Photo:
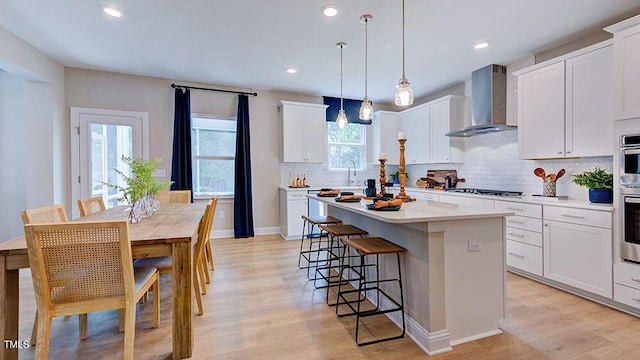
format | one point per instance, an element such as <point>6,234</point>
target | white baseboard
<point>228,233</point>
<point>432,343</point>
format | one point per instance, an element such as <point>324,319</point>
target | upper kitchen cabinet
<point>303,132</point>
<point>565,105</point>
<point>626,68</point>
<point>426,126</point>
<point>386,125</point>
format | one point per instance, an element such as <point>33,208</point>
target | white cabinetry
<point>303,132</point>
<point>415,123</point>
<point>524,236</point>
<point>426,126</point>
<point>565,105</point>
<point>293,204</point>
<point>626,287</point>
<point>386,125</point>
<point>627,68</point>
<point>578,247</point>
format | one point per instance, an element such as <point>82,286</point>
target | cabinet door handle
<point>516,222</point>
<point>514,234</point>
<point>635,279</point>
<point>521,257</point>
<point>572,216</point>
<point>560,152</point>
<point>515,208</point>
<point>568,151</point>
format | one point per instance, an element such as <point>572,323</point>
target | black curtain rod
<point>219,90</point>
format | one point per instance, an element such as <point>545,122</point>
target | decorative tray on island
<point>386,208</point>
<point>351,200</point>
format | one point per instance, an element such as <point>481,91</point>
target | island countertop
<point>416,211</point>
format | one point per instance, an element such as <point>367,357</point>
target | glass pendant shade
<point>342,120</point>
<point>366,110</point>
<point>404,94</point>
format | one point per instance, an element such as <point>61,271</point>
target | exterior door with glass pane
<point>104,136</point>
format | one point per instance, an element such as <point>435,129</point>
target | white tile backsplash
<point>491,162</point>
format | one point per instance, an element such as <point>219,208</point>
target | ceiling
<point>249,43</point>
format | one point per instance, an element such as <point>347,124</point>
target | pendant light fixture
<point>366,109</point>
<point>404,94</point>
<point>341,120</point>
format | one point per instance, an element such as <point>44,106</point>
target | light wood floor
<point>260,306</point>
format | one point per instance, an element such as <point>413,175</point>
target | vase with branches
<point>140,187</point>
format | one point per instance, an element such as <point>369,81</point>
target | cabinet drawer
<point>522,209</point>
<point>524,236</point>
<point>626,295</point>
<point>578,216</point>
<point>296,195</point>
<point>626,275</point>
<point>524,257</point>
<point>524,223</point>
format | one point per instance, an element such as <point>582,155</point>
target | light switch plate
<point>474,245</point>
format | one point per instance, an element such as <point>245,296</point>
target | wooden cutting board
<point>438,175</point>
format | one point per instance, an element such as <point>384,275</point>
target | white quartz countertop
<point>417,211</point>
<point>316,188</point>
<point>573,203</point>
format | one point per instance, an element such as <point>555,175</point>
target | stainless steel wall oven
<point>630,196</point>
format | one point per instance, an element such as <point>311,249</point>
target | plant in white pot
<point>599,182</point>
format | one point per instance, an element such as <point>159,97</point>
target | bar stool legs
<point>366,247</point>
<point>312,255</point>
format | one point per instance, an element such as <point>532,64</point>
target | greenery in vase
<point>141,182</point>
<point>597,179</point>
<point>397,174</point>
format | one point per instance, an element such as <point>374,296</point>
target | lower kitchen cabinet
<point>293,204</point>
<point>524,257</point>
<point>626,287</point>
<point>579,256</point>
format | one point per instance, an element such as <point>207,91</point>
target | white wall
<point>105,90</point>
<point>33,141</point>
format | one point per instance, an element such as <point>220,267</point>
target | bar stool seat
<point>334,256</point>
<point>311,255</point>
<point>384,303</point>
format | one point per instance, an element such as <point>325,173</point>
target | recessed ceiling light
<point>112,11</point>
<point>291,70</point>
<point>330,10</point>
<point>481,45</point>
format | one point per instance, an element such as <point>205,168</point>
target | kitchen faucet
<point>349,172</point>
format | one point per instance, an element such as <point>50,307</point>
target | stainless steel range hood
<point>489,102</point>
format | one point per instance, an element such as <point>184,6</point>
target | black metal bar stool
<point>312,254</point>
<point>331,272</point>
<point>367,247</point>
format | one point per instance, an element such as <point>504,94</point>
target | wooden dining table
<point>171,231</point>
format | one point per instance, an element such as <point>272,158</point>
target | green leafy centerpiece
<point>599,182</point>
<point>140,188</point>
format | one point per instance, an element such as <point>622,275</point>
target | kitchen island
<point>454,268</point>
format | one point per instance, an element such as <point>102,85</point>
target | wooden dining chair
<point>208,253</point>
<point>174,196</point>
<point>50,214</point>
<point>164,263</point>
<point>81,267</point>
<point>91,205</point>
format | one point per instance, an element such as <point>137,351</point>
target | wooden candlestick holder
<point>402,176</point>
<point>383,177</point>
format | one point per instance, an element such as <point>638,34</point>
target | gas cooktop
<point>486,192</point>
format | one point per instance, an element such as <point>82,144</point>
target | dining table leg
<point>9,292</point>
<point>182,300</point>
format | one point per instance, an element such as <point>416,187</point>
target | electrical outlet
<point>220,214</point>
<point>474,245</point>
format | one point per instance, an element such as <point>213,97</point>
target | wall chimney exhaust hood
<point>489,102</point>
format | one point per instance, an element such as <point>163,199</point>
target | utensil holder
<point>549,188</point>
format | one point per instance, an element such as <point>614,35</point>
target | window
<point>213,147</point>
<point>347,144</point>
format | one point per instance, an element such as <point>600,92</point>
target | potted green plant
<point>395,176</point>
<point>140,188</point>
<point>599,182</point>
